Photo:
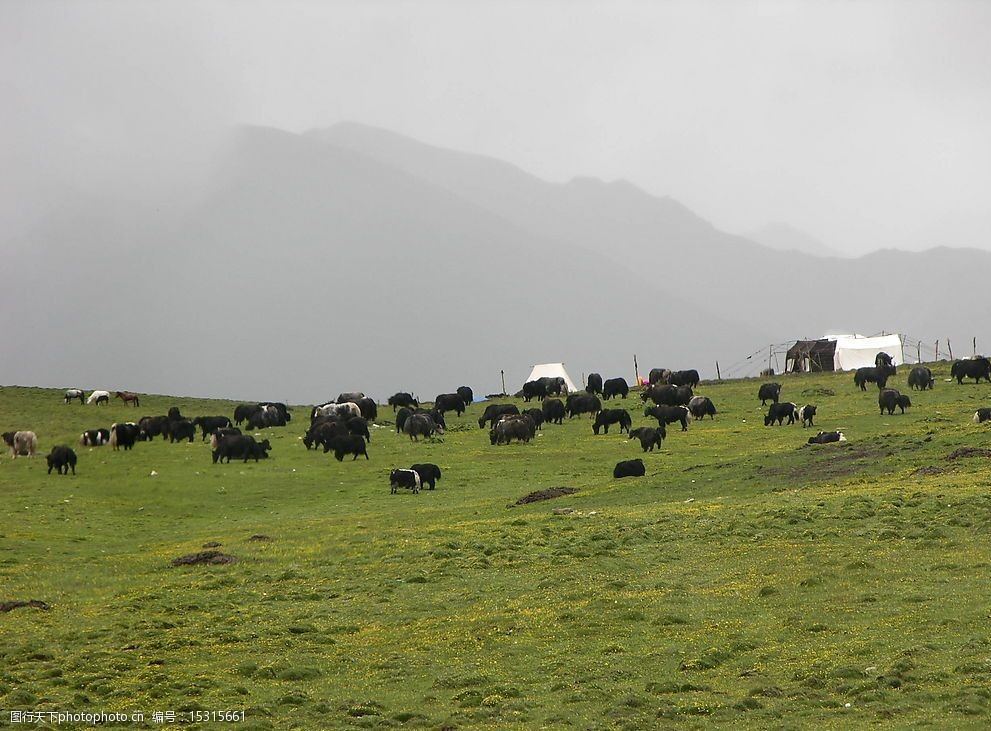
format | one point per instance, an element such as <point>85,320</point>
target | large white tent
<point>857,351</point>
<point>842,352</point>
<point>553,370</point>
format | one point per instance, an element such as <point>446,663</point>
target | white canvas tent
<point>552,370</point>
<point>841,352</point>
<point>856,351</point>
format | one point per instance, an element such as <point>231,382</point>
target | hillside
<point>746,579</point>
<point>308,269</point>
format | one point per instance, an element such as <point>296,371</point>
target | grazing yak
<point>612,416</point>
<point>94,437</point>
<point>181,429</point>
<point>358,425</point>
<point>982,415</point>
<point>921,378</point>
<point>615,387</point>
<point>466,394</point>
<point>62,458</point>
<point>220,434</point>
<point>668,395</point>
<point>826,437</point>
<point>594,384</point>
<point>510,428</point>
<point>553,409</point>
<point>421,425</point>
<point>406,479</point>
<point>270,415</point>
<point>688,378</point>
<point>493,412</point>
<point>976,368</point>
<point>449,402</point>
<point>666,414</point>
<point>659,375</point>
<point>401,416</point>
<point>536,416</point>
<point>21,443</point>
<point>878,375</point>
<point>73,394</point>
<point>369,409</point>
<point>243,412</point>
<point>769,392</point>
<point>889,398</point>
<point>150,427</point>
<point>429,474</point>
<point>348,409</point>
<point>629,468</point>
<point>403,399</point>
<point>582,404</point>
<point>554,385</point>
<point>322,431</point>
<point>701,407</point>
<point>649,437</point>
<point>351,397</point>
<point>807,413</point>
<point>284,415</point>
<point>99,397</point>
<point>778,412</point>
<point>209,424</point>
<point>534,389</point>
<point>240,446</point>
<point>123,435</point>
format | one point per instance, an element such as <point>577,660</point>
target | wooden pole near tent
<point>918,352</point>
<point>950,348</point>
<point>636,370</point>
<point>937,351</point>
<point>975,346</point>
<point>719,376</point>
<point>503,374</point>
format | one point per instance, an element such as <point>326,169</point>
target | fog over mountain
<point>784,237</point>
<point>294,266</point>
<point>184,208</point>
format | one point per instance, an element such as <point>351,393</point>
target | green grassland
<point>748,581</point>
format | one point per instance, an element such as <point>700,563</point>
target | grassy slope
<point>747,580</point>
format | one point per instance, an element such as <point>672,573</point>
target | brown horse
<point>128,397</point>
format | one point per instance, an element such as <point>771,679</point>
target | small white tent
<point>553,370</point>
<point>857,351</point>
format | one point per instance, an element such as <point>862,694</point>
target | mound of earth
<point>207,557</point>
<point>929,470</point>
<point>549,493</point>
<point>260,537</point>
<point>968,452</point>
<point>36,603</point>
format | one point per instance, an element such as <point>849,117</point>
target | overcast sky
<point>864,124</point>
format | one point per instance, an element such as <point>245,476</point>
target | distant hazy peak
<point>785,237</point>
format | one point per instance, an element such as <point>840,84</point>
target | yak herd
<point>342,426</point>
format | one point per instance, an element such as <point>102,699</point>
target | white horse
<point>99,397</point>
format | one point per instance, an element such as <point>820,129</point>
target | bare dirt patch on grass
<point>548,494</point>
<point>203,557</point>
